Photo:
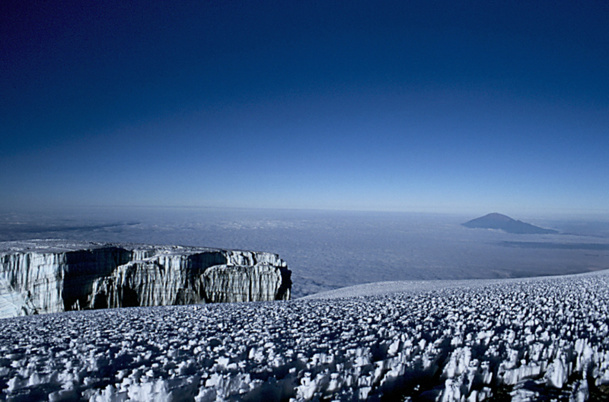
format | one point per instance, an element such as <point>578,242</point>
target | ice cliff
<point>48,276</point>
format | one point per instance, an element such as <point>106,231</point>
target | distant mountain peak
<point>503,222</point>
<point>497,216</point>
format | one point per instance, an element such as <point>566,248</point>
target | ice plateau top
<point>46,276</point>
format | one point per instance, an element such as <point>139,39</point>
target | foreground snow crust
<point>520,340</point>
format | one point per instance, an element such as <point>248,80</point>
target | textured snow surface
<point>54,276</point>
<point>518,340</point>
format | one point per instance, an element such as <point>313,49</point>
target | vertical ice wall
<point>43,279</point>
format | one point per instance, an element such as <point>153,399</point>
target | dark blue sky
<point>443,106</point>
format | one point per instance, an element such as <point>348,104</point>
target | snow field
<point>530,339</point>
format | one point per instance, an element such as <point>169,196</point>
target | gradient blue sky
<point>447,106</point>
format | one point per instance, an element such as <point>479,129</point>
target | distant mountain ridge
<point>502,222</point>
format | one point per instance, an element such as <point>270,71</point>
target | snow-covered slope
<point>52,276</point>
<point>519,339</point>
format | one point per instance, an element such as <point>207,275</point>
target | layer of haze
<point>372,105</point>
<point>331,249</point>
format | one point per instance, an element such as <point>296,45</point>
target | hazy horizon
<point>330,249</point>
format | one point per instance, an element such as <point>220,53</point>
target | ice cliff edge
<point>44,276</point>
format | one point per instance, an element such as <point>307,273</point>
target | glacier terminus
<point>48,276</point>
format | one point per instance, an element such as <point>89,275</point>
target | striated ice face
<point>48,276</point>
<point>519,340</point>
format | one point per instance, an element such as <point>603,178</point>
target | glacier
<point>521,340</point>
<point>49,276</point>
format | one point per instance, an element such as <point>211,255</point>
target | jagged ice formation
<point>519,340</point>
<point>49,276</point>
